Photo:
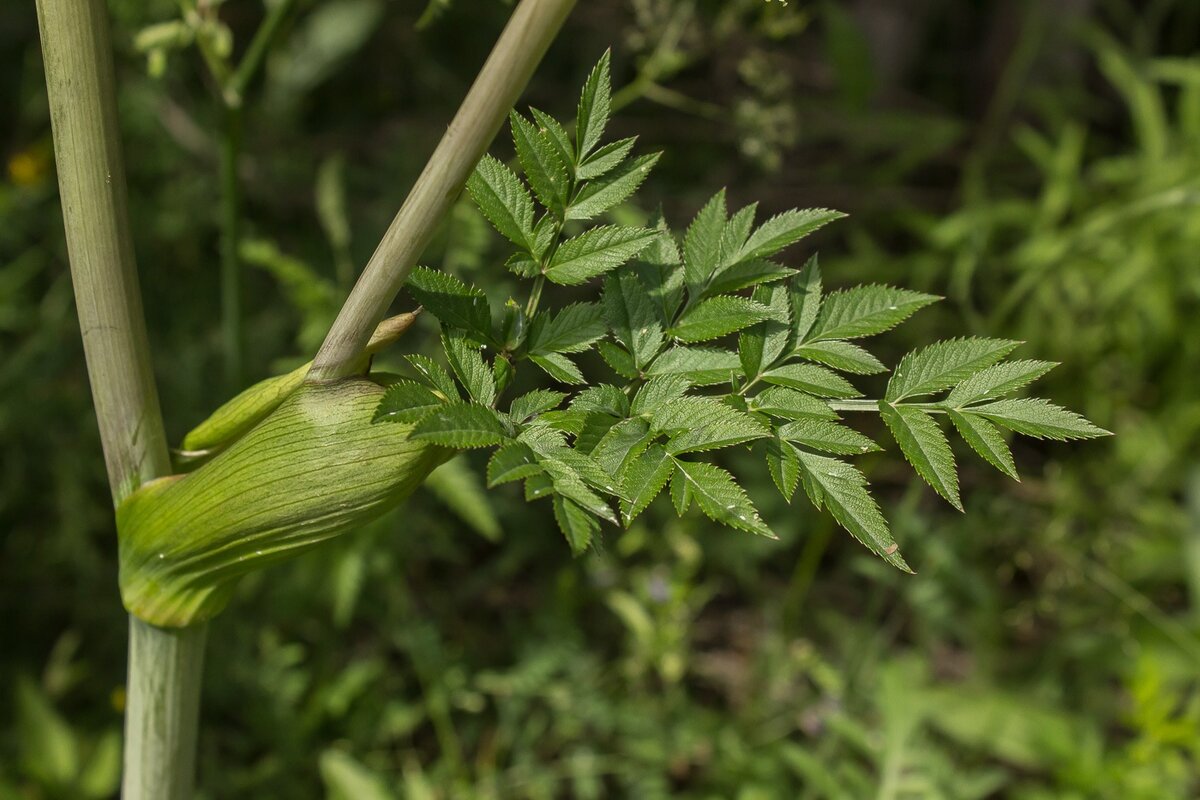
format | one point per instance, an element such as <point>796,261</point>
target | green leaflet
<point>703,366</point>
<point>644,479</point>
<point>925,447</point>
<point>826,436</point>
<point>986,440</point>
<point>843,490</point>
<point>596,252</point>
<point>813,379</point>
<point>542,163</point>
<point>630,314</point>
<point>406,402</point>
<point>702,244</point>
<point>866,311</point>
<point>503,200</point>
<point>842,355</point>
<point>315,468</point>
<point>599,196</point>
<point>785,229</point>
<point>594,107</point>
<point>997,381</point>
<point>572,330</point>
<point>1038,418</point>
<point>605,159</point>
<point>779,401</point>
<point>451,301</point>
<point>943,364</point>
<point>760,344</point>
<point>719,316</point>
<point>717,494</point>
<point>462,426</point>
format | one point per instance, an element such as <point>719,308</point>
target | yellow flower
<point>28,167</point>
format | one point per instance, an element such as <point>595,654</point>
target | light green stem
<point>162,710</point>
<point>161,718</point>
<point>517,53</point>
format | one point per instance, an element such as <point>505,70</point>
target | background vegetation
<point>1037,163</point>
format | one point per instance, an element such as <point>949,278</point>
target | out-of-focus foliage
<point>1037,163</point>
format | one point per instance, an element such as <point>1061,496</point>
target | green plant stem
<point>91,175</point>
<point>517,53</point>
<point>163,697</point>
<point>256,53</point>
<point>232,329</point>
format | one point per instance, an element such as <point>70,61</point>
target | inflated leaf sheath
<point>313,469</point>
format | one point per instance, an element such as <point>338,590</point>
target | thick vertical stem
<point>517,53</point>
<point>91,177</point>
<point>162,710</point>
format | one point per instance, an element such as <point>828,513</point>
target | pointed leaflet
<point>719,316</point>
<point>644,478</point>
<point>571,330</point>
<point>784,466</point>
<point>619,359</point>
<point>462,426</point>
<point>657,269</point>
<point>785,403</point>
<point>925,447</point>
<point>469,366</point>
<point>605,398</point>
<point>718,496</point>
<point>435,375</point>
<point>605,159</point>
<point>622,445</point>
<point>658,392</point>
<point>570,484</point>
<point>631,317</point>
<point>577,525</point>
<point>544,168</point>
<point>535,402</point>
<point>703,366</point>
<point>785,229</point>
<point>997,381</point>
<point>559,367</point>
<point>985,440</point>
<point>734,236</point>
<point>704,423</point>
<point>503,200</point>
<point>813,379</point>
<point>943,364</point>
<point>1038,418</point>
<point>602,194</point>
<point>557,134</point>
<point>450,300</point>
<point>761,344</point>
<point>842,355</point>
<point>843,490</point>
<point>596,252</point>
<point>805,293</point>
<point>594,107</point>
<point>746,274</point>
<point>406,401</point>
<point>702,243</point>
<point>866,311</point>
<point>826,436</point>
<point>512,462</point>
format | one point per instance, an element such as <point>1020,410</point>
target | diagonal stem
<point>517,53</point>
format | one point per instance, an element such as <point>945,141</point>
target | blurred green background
<point>1036,163</point>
